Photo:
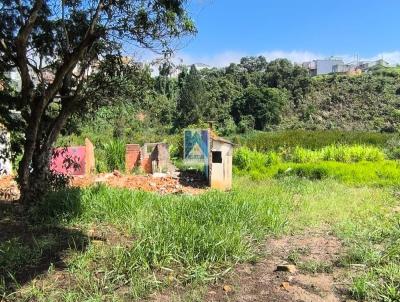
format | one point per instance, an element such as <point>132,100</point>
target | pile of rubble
<point>158,182</point>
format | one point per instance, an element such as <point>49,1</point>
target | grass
<point>111,156</point>
<point>181,240</point>
<point>374,244</point>
<point>313,267</point>
<point>146,242</point>
<point>355,165</point>
<point>269,141</point>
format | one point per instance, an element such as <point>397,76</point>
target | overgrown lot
<point>123,245</point>
<point>104,244</point>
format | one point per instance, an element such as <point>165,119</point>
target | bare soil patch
<point>261,281</point>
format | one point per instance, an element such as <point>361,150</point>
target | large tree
<point>263,104</point>
<point>54,45</point>
<point>192,98</point>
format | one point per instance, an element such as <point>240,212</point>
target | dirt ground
<point>163,184</point>
<point>262,281</point>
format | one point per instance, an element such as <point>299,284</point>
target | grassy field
<point>122,245</point>
<point>267,141</point>
<point>104,244</point>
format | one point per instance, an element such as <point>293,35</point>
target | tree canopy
<point>55,46</point>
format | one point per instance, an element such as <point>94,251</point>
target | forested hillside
<point>254,94</point>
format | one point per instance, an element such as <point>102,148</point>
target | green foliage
<point>113,154</point>
<point>358,165</point>
<point>160,241</point>
<point>262,103</point>
<point>266,141</point>
<point>181,236</point>
<point>373,242</point>
<point>192,100</point>
<point>339,153</point>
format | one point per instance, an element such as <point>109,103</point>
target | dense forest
<point>252,95</point>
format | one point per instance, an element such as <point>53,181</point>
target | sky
<point>299,30</point>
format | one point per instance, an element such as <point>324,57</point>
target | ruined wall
<point>90,165</point>
<point>69,160</point>
<point>132,157</point>
<point>74,160</point>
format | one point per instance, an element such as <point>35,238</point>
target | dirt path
<point>314,277</point>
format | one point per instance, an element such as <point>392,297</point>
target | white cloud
<point>392,58</point>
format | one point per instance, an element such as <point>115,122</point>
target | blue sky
<point>296,29</point>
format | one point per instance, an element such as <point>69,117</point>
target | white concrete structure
<point>5,162</point>
<point>221,164</point>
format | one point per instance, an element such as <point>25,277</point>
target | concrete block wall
<point>74,160</point>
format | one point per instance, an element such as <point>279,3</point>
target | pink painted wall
<point>77,154</point>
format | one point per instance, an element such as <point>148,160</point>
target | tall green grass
<point>267,141</point>
<point>358,165</point>
<point>184,239</point>
<point>111,156</point>
<point>339,153</point>
<point>191,238</point>
<point>373,243</point>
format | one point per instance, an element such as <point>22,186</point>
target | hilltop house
<point>336,65</point>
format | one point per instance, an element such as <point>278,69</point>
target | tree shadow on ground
<point>31,243</point>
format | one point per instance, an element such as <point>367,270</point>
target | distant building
<point>336,65</point>
<point>200,66</point>
<point>5,162</point>
<point>345,68</point>
<point>325,66</point>
<point>365,65</point>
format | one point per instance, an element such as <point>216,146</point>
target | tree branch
<point>20,45</point>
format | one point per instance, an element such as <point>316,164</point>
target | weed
<point>294,255</point>
<point>313,266</point>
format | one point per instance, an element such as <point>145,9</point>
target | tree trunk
<point>36,177</point>
<point>34,169</point>
<point>24,170</point>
